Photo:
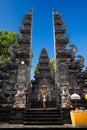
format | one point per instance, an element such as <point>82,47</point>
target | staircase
<point>43,117</point>
<point>5,114</point>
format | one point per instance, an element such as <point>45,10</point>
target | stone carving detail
<point>73,48</point>
<point>65,97</point>
<point>20,97</point>
<point>63,73</point>
<point>22,74</point>
<point>68,68</point>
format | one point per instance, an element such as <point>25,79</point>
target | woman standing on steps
<point>44,101</point>
<point>44,96</point>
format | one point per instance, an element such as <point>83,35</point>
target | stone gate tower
<point>24,56</point>
<point>69,74</point>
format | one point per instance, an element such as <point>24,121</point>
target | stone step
<point>43,123</point>
<point>5,115</point>
<point>38,104</point>
<point>43,117</point>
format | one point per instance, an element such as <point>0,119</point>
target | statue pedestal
<point>17,115</point>
<point>66,115</point>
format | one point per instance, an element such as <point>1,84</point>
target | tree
<point>6,39</point>
<point>52,64</point>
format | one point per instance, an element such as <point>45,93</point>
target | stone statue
<point>44,90</point>
<point>20,97</point>
<point>65,97</point>
<point>44,95</point>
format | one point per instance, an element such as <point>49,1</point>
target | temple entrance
<point>44,74</point>
<point>49,89</point>
<point>44,82</point>
<point>39,93</point>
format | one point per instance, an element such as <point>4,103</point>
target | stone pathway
<point>4,125</point>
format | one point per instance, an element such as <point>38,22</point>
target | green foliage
<point>32,55</point>
<point>1,57</point>
<point>8,58</point>
<point>17,46</point>
<point>6,39</point>
<point>36,69</point>
<point>52,64</point>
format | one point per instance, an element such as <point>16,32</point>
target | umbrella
<point>75,97</point>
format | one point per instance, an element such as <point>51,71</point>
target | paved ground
<point>4,125</point>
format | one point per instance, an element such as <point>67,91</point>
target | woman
<point>44,101</point>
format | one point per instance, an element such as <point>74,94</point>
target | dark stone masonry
<point>20,96</point>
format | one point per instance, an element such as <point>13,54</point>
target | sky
<point>74,13</point>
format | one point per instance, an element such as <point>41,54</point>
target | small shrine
<point>43,79</point>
